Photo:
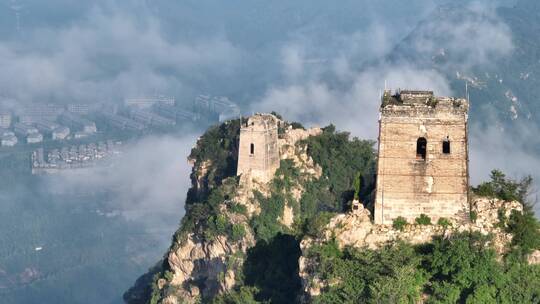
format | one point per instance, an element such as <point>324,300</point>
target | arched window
<point>421,147</point>
<point>446,146</point>
<point>252,149</point>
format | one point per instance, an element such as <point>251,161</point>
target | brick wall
<point>407,184</point>
<point>260,132</point>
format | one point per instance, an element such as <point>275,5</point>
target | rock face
<point>356,229</point>
<point>534,258</point>
<point>200,269</point>
<point>196,261</point>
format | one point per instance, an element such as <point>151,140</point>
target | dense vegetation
<point>460,269</point>
<point>218,149</point>
<point>524,226</point>
<point>345,162</point>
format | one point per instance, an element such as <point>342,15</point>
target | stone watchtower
<point>258,152</point>
<point>423,157</point>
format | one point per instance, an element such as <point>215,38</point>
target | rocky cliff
<point>206,260</point>
<point>308,234</point>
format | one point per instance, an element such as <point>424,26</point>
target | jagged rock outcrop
<point>534,258</point>
<point>201,268</point>
<point>356,229</point>
<point>194,261</point>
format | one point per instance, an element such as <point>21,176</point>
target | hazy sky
<point>313,61</point>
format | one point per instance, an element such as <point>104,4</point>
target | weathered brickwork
<point>258,151</point>
<point>423,157</point>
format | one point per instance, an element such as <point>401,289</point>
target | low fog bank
<point>147,184</point>
<point>493,148</point>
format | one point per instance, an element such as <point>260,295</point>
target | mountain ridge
<point>240,240</point>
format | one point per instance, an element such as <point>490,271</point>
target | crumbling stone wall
<point>259,151</point>
<point>410,182</point>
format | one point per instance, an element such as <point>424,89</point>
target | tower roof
<point>417,98</point>
<point>261,121</point>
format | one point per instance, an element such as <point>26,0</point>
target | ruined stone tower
<point>258,151</point>
<point>423,157</point>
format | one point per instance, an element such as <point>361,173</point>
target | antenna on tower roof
<point>467,90</point>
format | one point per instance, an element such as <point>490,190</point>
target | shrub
<point>473,216</point>
<point>238,208</point>
<point>266,224</point>
<point>423,220</point>
<point>168,275</point>
<point>399,223</point>
<point>525,230</point>
<point>357,185</point>
<point>221,224</point>
<point>156,292</point>
<point>276,114</point>
<point>297,125</point>
<point>501,216</point>
<point>238,231</point>
<point>241,295</point>
<point>505,188</point>
<point>444,222</point>
<point>316,224</point>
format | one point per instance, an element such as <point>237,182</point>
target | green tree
<point>389,275</point>
<point>505,188</point>
<point>525,230</point>
<point>357,186</point>
<point>463,268</point>
<point>241,295</point>
<point>342,160</point>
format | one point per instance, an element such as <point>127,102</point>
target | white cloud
<point>352,106</point>
<point>147,183</point>
<point>293,61</point>
<point>108,56</point>
<point>462,39</point>
<point>493,148</point>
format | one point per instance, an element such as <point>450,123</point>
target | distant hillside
<point>502,85</point>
